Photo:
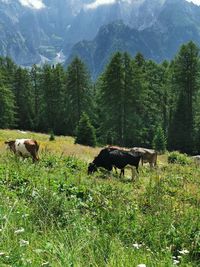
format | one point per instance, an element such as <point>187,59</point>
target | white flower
<point>25,215</point>
<point>137,246</point>
<point>183,251</point>
<point>175,262</point>
<point>19,231</point>
<point>141,265</point>
<point>2,254</point>
<point>45,263</point>
<point>23,243</point>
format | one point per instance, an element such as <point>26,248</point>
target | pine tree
<point>115,98</point>
<point>159,141</point>
<point>37,95</point>
<point>85,132</point>
<point>79,93</point>
<point>53,98</point>
<point>185,84</point>
<point>7,108</point>
<point>24,99</point>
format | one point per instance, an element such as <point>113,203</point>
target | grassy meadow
<point>53,214</point>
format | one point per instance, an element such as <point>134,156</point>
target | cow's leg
<point>115,170</point>
<point>134,174</point>
<point>34,155</point>
<point>121,173</point>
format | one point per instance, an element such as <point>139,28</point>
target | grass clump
<point>178,158</point>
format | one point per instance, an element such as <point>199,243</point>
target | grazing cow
<point>109,157</point>
<point>24,148</point>
<point>148,155</point>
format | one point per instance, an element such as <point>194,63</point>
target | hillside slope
<point>54,214</point>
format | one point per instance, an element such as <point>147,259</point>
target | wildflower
<point>45,263</point>
<point>23,243</point>
<point>38,250</point>
<point>141,265</point>
<point>137,246</point>
<point>25,215</point>
<point>19,231</point>
<point>2,254</point>
<point>175,262</point>
<point>183,251</point>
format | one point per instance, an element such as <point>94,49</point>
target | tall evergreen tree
<point>37,95</point>
<point>24,99</point>
<point>115,98</point>
<point>53,87</point>
<point>79,93</point>
<point>7,107</point>
<point>185,84</point>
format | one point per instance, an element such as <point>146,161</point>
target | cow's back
<point>21,148</point>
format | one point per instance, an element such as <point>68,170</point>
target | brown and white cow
<point>25,148</point>
<point>148,155</point>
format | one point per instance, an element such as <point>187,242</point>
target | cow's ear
<point>6,142</point>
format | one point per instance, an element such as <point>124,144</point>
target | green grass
<point>54,214</point>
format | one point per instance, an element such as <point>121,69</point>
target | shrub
<point>85,132</point>
<point>52,136</point>
<point>159,141</point>
<point>179,158</point>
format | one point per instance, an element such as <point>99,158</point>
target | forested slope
<point>126,105</point>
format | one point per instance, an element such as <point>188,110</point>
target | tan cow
<point>25,148</point>
<point>148,155</point>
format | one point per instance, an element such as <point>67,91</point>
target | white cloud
<point>98,3</point>
<point>36,4</point>
<point>197,2</point>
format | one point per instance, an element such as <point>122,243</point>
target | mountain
<point>54,30</point>
<point>174,23</point>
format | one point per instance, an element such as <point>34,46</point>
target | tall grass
<point>53,214</point>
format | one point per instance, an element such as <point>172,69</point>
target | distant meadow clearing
<point>53,214</point>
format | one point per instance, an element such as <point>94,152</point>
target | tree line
<point>134,102</point>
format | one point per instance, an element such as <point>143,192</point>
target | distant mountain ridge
<point>176,23</point>
<point>59,30</point>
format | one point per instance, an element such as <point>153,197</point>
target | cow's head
<point>92,168</point>
<point>11,145</point>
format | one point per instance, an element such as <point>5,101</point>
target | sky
<point>195,1</point>
<point>37,4</point>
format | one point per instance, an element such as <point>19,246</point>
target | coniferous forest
<point>134,102</point>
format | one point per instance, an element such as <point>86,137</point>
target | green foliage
<point>53,212</point>
<point>79,93</point>
<point>159,141</point>
<point>85,133</point>
<point>125,105</point>
<point>179,158</point>
<point>185,84</point>
<point>52,136</point>
<point>7,107</point>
